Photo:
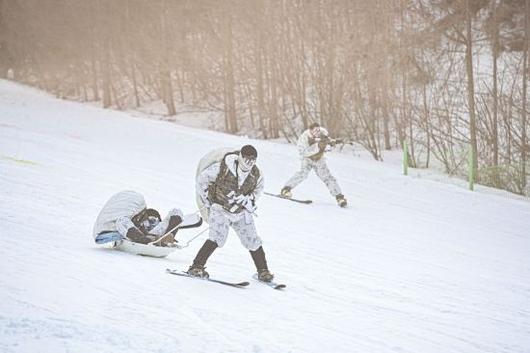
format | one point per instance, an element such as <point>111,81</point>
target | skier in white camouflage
<point>312,145</point>
<point>229,190</point>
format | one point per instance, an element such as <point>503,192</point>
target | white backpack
<point>215,156</point>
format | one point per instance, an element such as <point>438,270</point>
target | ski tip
<point>272,284</point>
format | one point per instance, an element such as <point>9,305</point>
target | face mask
<point>246,163</point>
<point>148,224</point>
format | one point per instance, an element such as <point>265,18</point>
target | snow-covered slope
<point>411,266</point>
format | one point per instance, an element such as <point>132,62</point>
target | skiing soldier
<point>312,145</point>
<point>227,189</point>
<point>125,215</point>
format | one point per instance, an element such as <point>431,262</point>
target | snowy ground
<point>413,265</point>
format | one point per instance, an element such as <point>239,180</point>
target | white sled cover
<point>123,204</point>
<point>210,158</point>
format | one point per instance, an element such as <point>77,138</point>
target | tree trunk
<point>260,90</point>
<point>107,101</point>
<point>229,79</point>
<point>427,125</point>
<point>95,88</point>
<point>471,90</point>
<point>167,87</point>
<point>495,53</point>
<point>524,142</point>
<point>135,87</point>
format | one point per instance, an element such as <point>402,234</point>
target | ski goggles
<point>149,223</point>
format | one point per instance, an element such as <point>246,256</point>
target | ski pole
<point>192,239</point>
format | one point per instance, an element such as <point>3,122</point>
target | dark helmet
<point>247,158</point>
<point>151,212</point>
<point>248,151</point>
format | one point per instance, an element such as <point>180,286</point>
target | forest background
<point>445,79</point>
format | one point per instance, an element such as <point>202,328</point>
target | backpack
<point>214,156</point>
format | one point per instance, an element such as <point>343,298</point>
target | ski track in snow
<point>412,265</point>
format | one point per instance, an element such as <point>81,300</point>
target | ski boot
<point>341,201</point>
<point>286,192</point>
<point>258,256</point>
<point>198,271</point>
<point>265,275</point>
<point>197,268</point>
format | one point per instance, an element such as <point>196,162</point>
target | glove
<point>232,197</point>
<point>247,201</point>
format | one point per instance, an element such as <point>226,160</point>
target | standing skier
<point>312,145</point>
<point>228,190</point>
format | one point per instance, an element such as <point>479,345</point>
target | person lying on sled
<point>126,216</point>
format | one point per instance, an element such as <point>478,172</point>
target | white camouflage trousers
<point>321,170</point>
<point>242,223</point>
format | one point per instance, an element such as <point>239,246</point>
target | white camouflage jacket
<point>306,149</point>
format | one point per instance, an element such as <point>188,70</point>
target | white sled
<point>143,249</point>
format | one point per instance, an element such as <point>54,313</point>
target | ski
<point>290,199</point>
<point>271,284</point>
<point>231,284</point>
